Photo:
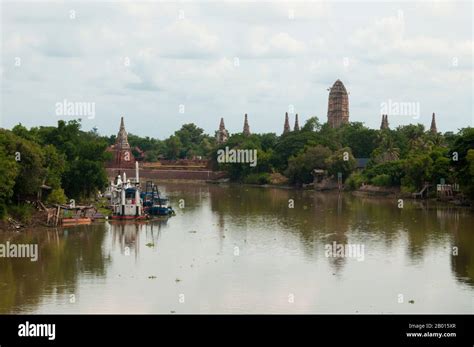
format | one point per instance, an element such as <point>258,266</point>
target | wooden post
<point>57,215</point>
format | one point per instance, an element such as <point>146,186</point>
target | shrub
<point>57,196</point>
<point>22,213</point>
<point>394,169</point>
<point>355,180</point>
<point>3,211</point>
<point>257,178</point>
<point>382,180</point>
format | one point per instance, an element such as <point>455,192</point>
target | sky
<point>164,64</point>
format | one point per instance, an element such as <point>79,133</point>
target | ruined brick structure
<point>384,124</point>
<point>246,130</point>
<point>286,126</point>
<point>222,134</point>
<point>338,105</point>
<point>297,124</point>
<point>433,128</point>
<point>122,156</point>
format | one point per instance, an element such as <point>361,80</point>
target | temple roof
<point>338,87</point>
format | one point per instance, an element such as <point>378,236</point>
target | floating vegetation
<point>150,244</point>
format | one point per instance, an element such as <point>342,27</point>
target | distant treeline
<point>405,157</point>
<point>71,161</point>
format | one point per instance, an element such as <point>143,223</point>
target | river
<point>239,249</point>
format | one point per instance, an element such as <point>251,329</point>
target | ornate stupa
<point>338,105</point>
<point>122,156</point>
<point>286,126</point>
<point>433,127</point>
<point>384,124</point>
<point>246,130</point>
<point>297,124</point>
<point>122,137</point>
<point>222,133</point>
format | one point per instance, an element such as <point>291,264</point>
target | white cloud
<point>282,61</point>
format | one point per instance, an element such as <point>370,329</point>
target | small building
<point>318,175</point>
<point>361,163</point>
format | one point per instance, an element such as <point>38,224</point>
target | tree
<point>300,167</point>
<point>359,138</point>
<point>62,156</point>
<point>341,162</point>
<point>418,169</point>
<point>291,144</point>
<point>463,166</point>
<point>312,124</point>
<point>9,170</point>
<point>29,158</point>
<point>172,147</point>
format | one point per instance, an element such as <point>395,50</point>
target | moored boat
<point>126,202</point>
<point>154,202</point>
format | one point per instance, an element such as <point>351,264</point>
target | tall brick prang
<point>338,105</point>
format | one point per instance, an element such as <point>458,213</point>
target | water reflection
<point>126,235</point>
<point>272,228</point>
<point>64,255</point>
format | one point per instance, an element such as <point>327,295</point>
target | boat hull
<point>128,217</point>
<point>75,221</point>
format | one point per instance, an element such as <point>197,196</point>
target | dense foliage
<point>64,158</point>
<point>71,161</point>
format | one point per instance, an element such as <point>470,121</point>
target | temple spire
<point>122,137</point>
<point>246,126</point>
<point>286,126</point>
<point>433,128</point>
<point>338,105</point>
<point>297,124</point>
<point>384,124</point>
<point>222,133</point>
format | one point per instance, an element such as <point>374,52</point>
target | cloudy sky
<point>163,64</point>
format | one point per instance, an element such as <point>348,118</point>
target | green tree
<point>300,167</point>
<point>462,151</point>
<point>342,161</point>
<point>9,170</point>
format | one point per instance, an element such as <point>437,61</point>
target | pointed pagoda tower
<point>384,124</point>
<point>122,137</point>
<point>121,151</point>
<point>246,130</point>
<point>433,128</point>
<point>286,126</point>
<point>297,124</point>
<point>222,133</point>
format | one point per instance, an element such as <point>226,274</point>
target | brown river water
<point>239,249</point>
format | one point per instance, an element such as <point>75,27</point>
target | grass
<point>23,212</point>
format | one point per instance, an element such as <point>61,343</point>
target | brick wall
<point>199,175</point>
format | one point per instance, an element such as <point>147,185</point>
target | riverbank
<point>28,216</point>
<point>364,191</point>
<point>34,218</point>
